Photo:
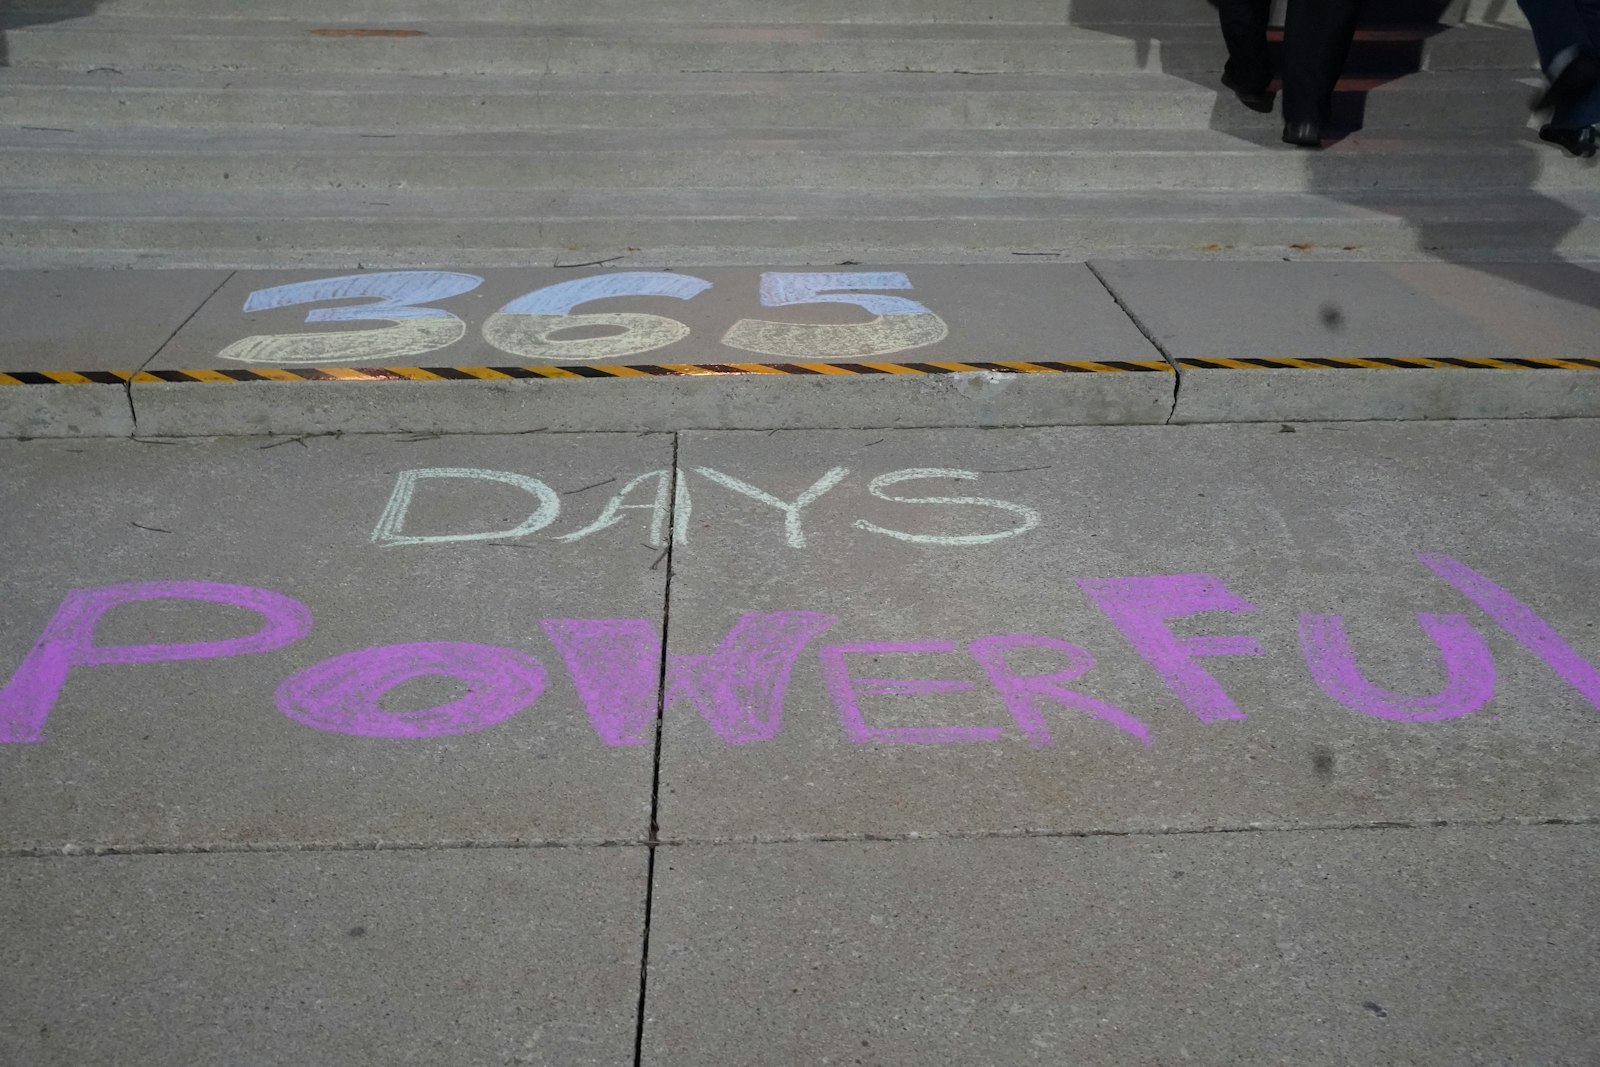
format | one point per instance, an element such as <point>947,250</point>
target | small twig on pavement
<point>152,529</point>
<point>585,489</point>
<point>593,263</point>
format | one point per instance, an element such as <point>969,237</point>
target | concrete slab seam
<point>1148,334</point>
<point>74,851</point>
<point>654,837</point>
<point>127,386</point>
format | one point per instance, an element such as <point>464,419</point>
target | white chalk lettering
<point>660,507</point>
<point>792,530</point>
<point>388,531</point>
<point>876,487</point>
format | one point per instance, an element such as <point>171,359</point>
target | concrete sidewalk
<point>599,347</point>
<point>1108,745</point>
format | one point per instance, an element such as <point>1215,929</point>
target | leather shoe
<point>1254,99</point>
<point>1303,134</point>
<point>1582,143</point>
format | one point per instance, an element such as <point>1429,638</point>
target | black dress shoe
<point>1254,99</point>
<point>1582,143</point>
<point>1303,134</point>
<point>1576,81</point>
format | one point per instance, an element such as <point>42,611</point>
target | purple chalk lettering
<point>1519,620</point>
<point>739,688</point>
<point>1025,695</point>
<point>1468,666</point>
<point>342,694</point>
<point>846,690</point>
<point>615,664</point>
<point>1141,609</point>
<point>68,641</point>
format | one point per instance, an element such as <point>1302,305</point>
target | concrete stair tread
<point>529,46</point>
<point>654,143</point>
<point>707,83</point>
<point>765,203</point>
<point>732,32</point>
<point>383,12</point>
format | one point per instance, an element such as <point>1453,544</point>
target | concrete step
<point>664,228</point>
<point>677,101</point>
<point>626,160</point>
<point>526,47</point>
<point>380,13</point>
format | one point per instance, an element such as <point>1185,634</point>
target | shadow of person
<point>17,14</point>
<point>1367,173</point>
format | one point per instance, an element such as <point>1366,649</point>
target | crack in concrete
<point>127,386</point>
<point>1149,335</point>
<point>655,841</point>
<point>654,838</point>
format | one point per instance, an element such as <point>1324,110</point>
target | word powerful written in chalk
<point>738,687</point>
<point>543,325</point>
<point>665,496</point>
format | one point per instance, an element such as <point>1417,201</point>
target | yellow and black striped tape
<point>670,370</point>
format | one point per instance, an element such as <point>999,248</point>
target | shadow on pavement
<point>1391,45</point>
<point>15,14</point>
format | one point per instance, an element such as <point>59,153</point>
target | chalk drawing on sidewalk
<point>531,325</point>
<point>662,494</point>
<point>542,325</point>
<point>739,687</point>
<point>399,295</point>
<point>900,324</point>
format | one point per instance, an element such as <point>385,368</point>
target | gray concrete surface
<point>95,319</point>
<point>160,133</point>
<point>81,320</point>
<point>65,411</point>
<point>194,876</point>
<point>794,159</point>
<point>197,752</point>
<point>1438,948</point>
<point>1036,311</point>
<point>1040,311</point>
<point>1366,311</point>
<point>656,404</point>
<point>1325,520</point>
<point>1231,310</point>
<point>492,956</point>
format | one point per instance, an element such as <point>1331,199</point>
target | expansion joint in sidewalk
<point>654,837</point>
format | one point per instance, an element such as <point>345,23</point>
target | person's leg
<point>1244,30</point>
<point>1316,44</point>
<point>1565,31</point>
<point>1586,112</point>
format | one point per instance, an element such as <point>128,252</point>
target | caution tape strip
<point>679,370</point>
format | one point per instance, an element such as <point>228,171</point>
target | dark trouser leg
<point>1559,25</point>
<point>1316,43</point>
<point>1244,30</point>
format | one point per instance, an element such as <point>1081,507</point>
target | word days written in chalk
<point>663,496</point>
<point>738,687</point>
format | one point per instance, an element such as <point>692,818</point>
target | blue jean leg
<point>1557,26</point>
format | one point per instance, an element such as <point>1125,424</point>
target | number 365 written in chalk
<point>544,325</point>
